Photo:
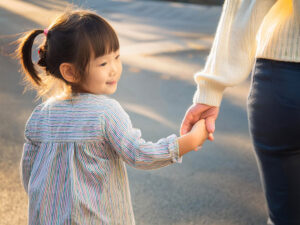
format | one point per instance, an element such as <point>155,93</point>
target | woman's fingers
<point>200,111</point>
<point>189,120</point>
<point>211,137</point>
<point>186,125</point>
<point>210,124</point>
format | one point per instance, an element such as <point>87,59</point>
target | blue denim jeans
<point>274,123</point>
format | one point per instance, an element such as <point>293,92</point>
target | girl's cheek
<point>121,67</point>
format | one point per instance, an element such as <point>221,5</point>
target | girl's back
<point>72,173</point>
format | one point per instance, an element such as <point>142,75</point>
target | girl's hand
<point>193,139</point>
<point>199,132</point>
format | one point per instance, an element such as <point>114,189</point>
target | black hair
<point>73,38</point>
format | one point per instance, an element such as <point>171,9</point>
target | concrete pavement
<point>162,45</point>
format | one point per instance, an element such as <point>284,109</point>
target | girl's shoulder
<point>93,100</point>
<point>85,104</point>
<point>111,108</point>
<point>85,111</point>
<point>88,102</point>
<point>36,111</point>
<point>99,102</point>
<point>32,119</point>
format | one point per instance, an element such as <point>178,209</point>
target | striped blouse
<point>73,166</point>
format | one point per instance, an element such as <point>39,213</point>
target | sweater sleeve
<point>130,146</point>
<point>233,51</point>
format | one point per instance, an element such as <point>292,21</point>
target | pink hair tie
<point>46,32</point>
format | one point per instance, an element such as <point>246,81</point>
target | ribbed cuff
<point>174,149</point>
<point>208,93</point>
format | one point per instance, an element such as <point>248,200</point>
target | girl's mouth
<point>111,82</point>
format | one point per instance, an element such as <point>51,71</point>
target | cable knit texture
<point>241,37</point>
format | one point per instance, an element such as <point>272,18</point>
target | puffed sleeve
<point>233,51</point>
<point>30,150</point>
<point>128,143</point>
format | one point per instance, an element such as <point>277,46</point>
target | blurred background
<point>163,43</point>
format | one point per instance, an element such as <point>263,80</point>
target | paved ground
<point>162,45</point>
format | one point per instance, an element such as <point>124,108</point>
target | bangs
<point>95,38</point>
<point>101,36</point>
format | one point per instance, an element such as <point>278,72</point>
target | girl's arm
<point>30,150</point>
<point>135,151</point>
<point>233,51</point>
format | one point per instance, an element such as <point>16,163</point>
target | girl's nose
<point>113,69</point>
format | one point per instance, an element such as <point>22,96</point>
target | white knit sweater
<point>237,43</point>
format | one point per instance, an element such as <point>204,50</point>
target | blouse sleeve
<point>128,143</point>
<point>30,150</point>
<point>233,51</point>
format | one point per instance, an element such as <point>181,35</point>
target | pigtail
<point>73,38</point>
<point>24,53</point>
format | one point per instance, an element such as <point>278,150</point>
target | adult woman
<point>266,34</point>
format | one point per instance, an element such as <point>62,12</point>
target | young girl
<point>78,139</point>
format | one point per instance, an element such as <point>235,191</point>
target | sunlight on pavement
<point>238,95</point>
<point>150,114</point>
<point>35,13</point>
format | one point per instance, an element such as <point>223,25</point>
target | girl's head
<point>80,54</point>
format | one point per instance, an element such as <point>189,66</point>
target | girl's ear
<point>67,70</point>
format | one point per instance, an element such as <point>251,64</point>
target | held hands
<point>200,111</point>
<point>199,133</point>
<point>198,125</point>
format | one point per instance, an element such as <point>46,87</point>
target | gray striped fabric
<point>73,167</point>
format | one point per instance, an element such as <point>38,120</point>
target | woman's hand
<point>200,111</point>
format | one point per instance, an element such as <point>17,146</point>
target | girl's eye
<point>118,56</point>
<point>103,64</point>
